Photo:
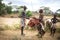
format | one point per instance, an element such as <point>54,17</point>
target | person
<point>40,26</point>
<point>54,21</point>
<point>23,17</point>
<point>41,16</point>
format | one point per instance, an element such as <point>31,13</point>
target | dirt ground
<point>29,35</point>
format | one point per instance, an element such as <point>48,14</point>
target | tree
<point>29,13</point>
<point>8,9</point>
<point>2,5</point>
<point>58,12</point>
<point>4,8</point>
<point>47,11</point>
<point>20,9</point>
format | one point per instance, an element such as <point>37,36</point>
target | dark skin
<point>55,20</point>
<point>41,16</point>
<point>22,28</point>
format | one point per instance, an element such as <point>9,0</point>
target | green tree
<point>4,8</point>
<point>20,9</point>
<point>29,13</point>
<point>8,9</point>
<point>2,5</point>
<point>47,11</point>
<point>58,12</point>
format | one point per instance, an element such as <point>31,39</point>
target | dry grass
<point>30,35</point>
<point>15,35</point>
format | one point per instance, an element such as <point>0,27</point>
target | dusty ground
<point>29,35</point>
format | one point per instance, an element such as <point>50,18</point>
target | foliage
<point>4,8</point>
<point>29,13</point>
<point>16,26</point>
<point>47,11</point>
<point>20,7</point>
<point>58,12</point>
<point>1,7</point>
<point>9,9</point>
<point>58,15</point>
<point>46,8</point>
<point>7,27</point>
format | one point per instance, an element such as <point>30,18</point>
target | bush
<point>7,27</point>
<point>16,26</point>
<point>58,15</point>
<point>29,13</point>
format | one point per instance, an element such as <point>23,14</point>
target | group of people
<point>41,22</point>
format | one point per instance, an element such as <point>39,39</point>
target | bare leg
<point>22,30</point>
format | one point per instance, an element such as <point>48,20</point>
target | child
<point>54,21</point>
<point>40,26</point>
<point>23,16</point>
<point>41,16</point>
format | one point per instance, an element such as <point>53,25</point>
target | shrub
<point>29,13</point>
<point>58,15</point>
<point>16,26</point>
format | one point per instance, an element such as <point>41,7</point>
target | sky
<point>34,5</point>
